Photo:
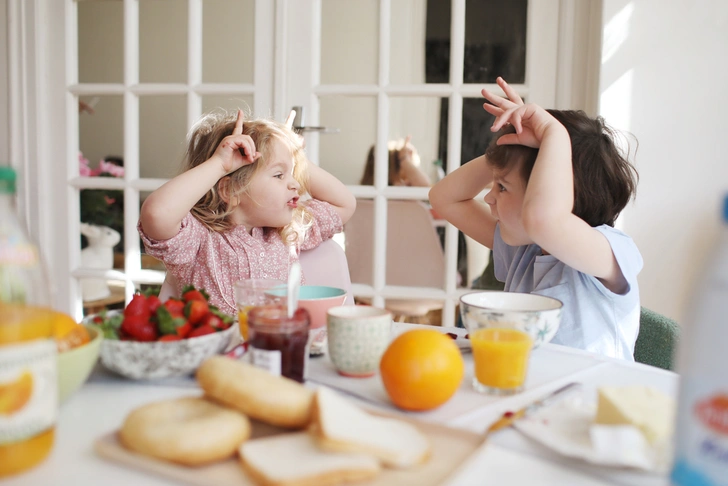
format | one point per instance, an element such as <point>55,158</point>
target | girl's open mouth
<point>293,203</point>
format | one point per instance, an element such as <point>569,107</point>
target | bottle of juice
<point>28,375</point>
<point>701,441</point>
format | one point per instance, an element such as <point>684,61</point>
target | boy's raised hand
<point>530,121</point>
<point>236,150</point>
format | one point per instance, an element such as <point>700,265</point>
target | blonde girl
<point>235,212</point>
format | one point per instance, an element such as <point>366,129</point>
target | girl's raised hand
<point>236,150</point>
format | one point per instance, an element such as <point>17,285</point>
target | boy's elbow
<point>435,197</point>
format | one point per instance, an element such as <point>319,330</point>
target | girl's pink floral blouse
<point>215,261</point>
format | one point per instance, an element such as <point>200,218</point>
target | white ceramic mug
<point>358,335</point>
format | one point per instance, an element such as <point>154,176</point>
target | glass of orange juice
<point>254,292</point>
<point>500,357</point>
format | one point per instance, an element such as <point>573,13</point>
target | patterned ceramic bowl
<point>145,361</point>
<point>537,315</point>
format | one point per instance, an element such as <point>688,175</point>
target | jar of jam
<point>277,342</point>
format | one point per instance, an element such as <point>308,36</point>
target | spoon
<point>294,286</point>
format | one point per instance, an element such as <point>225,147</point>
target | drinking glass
<point>256,292</point>
<point>500,357</point>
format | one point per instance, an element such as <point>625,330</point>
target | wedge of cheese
<point>648,409</point>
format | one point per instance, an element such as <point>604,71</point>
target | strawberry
<point>153,303</point>
<point>184,330</point>
<point>201,331</point>
<point>213,321</point>
<point>168,324</point>
<point>139,329</point>
<point>138,307</point>
<point>175,307</point>
<point>195,310</point>
<point>170,337</point>
<point>191,293</point>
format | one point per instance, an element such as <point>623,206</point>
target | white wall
<point>664,77</point>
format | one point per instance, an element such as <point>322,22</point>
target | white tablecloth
<point>506,458</point>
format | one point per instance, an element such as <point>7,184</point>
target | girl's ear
<point>225,190</point>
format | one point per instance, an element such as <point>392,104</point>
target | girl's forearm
<point>164,210</point>
<point>414,175</point>
<point>325,187</point>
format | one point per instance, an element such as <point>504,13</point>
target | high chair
<point>324,265</point>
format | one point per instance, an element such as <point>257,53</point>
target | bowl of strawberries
<point>152,339</point>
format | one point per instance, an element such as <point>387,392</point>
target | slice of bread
<point>294,460</point>
<point>275,400</point>
<point>339,425</point>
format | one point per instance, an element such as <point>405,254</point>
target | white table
<point>507,458</point>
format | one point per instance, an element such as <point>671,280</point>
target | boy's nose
<point>489,198</point>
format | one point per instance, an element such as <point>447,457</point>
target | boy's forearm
<point>550,189</point>
<point>325,187</point>
<point>461,185</point>
<point>164,209</point>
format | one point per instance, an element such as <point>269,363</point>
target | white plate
<point>568,428</point>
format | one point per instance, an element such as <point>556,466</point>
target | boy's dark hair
<point>604,180</point>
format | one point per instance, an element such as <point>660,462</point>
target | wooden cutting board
<point>450,449</point>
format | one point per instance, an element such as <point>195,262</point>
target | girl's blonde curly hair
<point>202,141</point>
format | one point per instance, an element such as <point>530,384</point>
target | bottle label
<point>267,360</point>
<point>28,390</point>
<point>702,435</point>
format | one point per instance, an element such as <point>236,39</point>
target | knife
<point>509,417</point>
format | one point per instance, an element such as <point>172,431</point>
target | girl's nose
<point>294,185</point>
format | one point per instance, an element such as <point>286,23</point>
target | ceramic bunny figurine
<point>98,254</point>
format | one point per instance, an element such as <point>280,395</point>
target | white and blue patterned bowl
<point>159,359</point>
<point>537,315</point>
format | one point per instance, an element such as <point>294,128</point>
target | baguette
<point>341,426</point>
<point>294,460</point>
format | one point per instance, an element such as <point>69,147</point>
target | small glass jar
<point>278,343</point>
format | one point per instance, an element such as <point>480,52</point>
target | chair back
<point>657,340</point>
<point>414,253</point>
<point>324,265</point>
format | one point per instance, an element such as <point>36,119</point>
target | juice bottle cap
<point>7,180</point>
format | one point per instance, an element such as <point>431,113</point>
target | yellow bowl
<point>75,365</point>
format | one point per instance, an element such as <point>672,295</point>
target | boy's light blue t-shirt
<point>594,318</point>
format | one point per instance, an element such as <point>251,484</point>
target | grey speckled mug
<point>358,335</point>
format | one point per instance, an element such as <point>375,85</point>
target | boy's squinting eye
<point>501,188</point>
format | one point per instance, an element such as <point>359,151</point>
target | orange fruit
<point>421,369</point>
<point>68,333</point>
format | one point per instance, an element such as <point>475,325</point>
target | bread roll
<point>190,431</point>
<point>272,399</point>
